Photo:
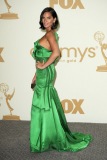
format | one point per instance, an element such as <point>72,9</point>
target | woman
<point>48,128</point>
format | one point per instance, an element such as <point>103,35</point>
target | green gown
<point>48,126</point>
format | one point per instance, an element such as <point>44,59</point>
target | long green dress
<point>48,126</point>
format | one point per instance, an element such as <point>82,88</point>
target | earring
<point>53,25</point>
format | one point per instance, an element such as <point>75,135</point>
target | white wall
<point>78,82</point>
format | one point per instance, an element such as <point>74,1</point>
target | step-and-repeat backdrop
<point>82,70</point>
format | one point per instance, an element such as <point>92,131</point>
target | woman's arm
<point>34,79</point>
<point>55,51</point>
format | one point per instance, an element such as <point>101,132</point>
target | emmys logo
<point>0,100</point>
<point>1,59</point>
<point>76,54</point>
<point>4,88</point>
<point>31,51</point>
<point>8,15</point>
<point>99,37</point>
<point>72,106</point>
<point>66,4</point>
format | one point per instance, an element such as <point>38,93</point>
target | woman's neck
<point>49,30</point>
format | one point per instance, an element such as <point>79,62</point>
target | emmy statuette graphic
<point>4,88</point>
<point>1,59</point>
<point>8,15</point>
<point>99,37</point>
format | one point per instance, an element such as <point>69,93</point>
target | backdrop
<point>82,70</point>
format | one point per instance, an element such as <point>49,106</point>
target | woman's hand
<point>40,65</point>
<point>34,79</point>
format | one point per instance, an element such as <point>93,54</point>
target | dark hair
<point>54,15</point>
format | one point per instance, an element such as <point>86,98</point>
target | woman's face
<point>48,20</point>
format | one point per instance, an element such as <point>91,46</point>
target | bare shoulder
<point>50,35</point>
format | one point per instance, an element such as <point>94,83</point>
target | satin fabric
<point>48,126</point>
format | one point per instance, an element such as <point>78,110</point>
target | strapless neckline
<point>43,46</point>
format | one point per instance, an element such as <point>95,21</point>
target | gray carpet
<point>14,143</point>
